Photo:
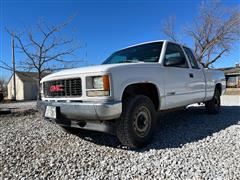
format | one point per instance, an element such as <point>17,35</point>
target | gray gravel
<point>19,105</point>
<point>187,145</point>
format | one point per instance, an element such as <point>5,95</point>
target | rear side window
<point>191,58</point>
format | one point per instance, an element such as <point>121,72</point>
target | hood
<point>92,69</point>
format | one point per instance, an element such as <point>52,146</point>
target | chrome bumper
<point>85,110</point>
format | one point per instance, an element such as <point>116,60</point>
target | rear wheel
<point>213,106</point>
<point>136,124</point>
<point>1,97</point>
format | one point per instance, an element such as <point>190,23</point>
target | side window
<point>191,58</point>
<point>174,56</point>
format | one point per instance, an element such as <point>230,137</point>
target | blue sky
<point>105,26</point>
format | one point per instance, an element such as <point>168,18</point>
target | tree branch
<point>168,28</point>
<point>5,65</point>
<point>44,49</point>
<point>216,58</point>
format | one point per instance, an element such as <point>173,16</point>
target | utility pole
<point>14,70</point>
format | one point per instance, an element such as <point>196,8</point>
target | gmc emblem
<point>56,88</point>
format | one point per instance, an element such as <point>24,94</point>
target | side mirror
<point>174,61</point>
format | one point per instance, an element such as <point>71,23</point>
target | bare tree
<point>3,88</point>
<point>2,83</point>
<point>46,49</point>
<point>5,66</point>
<point>169,28</point>
<point>214,31</point>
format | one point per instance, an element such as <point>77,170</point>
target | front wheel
<point>136,124</point>
<point>213,106</point>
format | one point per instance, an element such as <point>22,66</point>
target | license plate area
<point>51,112</point>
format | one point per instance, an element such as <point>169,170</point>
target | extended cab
<point>123,94</point>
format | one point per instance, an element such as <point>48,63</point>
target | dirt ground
<point>233,91</point>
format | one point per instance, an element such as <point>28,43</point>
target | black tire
<point>136,125</point>
<point>1,97</point>
<point>70,130</point>
<point>213,106</point>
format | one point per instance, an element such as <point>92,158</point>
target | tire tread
<point>123,123</point>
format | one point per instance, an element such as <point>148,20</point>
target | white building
<point>26,86</point>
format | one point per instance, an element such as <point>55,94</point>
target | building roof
<point>231,70</point>
<point>29,76</point>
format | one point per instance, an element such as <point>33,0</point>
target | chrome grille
<point>69,88</point>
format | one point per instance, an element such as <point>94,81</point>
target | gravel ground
<point>19,105</point>
<point>187,144</point>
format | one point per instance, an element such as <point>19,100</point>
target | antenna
<point>86,61</point>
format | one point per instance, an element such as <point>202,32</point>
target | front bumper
<point>85,110</point>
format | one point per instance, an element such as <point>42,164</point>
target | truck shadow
<point>178,128</point>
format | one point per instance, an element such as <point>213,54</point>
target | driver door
<point>176,77</point>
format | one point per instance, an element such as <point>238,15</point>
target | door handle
<point>191,75</point>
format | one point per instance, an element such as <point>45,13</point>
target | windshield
<point>142,53</point>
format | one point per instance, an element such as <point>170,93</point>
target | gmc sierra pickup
<point>122,95</point>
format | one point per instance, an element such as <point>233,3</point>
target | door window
<point>174,52</point>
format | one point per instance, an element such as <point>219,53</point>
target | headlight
<point>98,86</point>
<point>97,82</point>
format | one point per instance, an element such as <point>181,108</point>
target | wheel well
<point>219,87</point>
<point>147,89</point>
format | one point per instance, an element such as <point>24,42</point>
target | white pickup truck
<point>122,95</point>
